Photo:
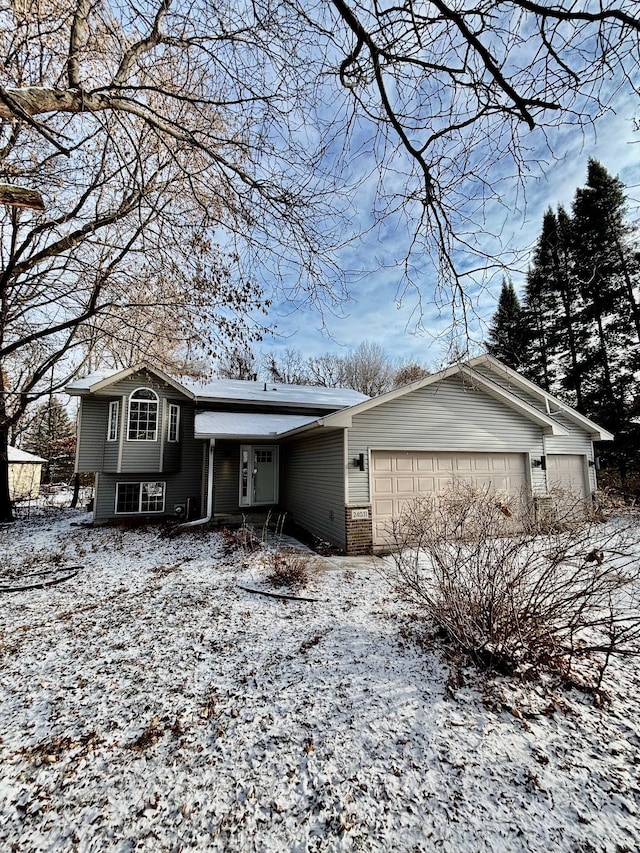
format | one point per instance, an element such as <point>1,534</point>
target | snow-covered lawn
<point>150,704</point>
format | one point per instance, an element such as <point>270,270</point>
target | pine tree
<point>507,336</point>
<point>551,307</point>
<point>51,435</point>
<point>602,265</point>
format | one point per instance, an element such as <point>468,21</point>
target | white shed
<point>25,471</point>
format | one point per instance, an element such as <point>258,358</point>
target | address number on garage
<point>358,514</point>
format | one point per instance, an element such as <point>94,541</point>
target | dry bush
<point>514,597</point>
<point>287,568</point>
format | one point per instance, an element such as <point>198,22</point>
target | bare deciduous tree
<point>409,372</point>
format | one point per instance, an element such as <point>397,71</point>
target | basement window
<point>139,498</point>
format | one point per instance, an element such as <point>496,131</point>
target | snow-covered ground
<point>150,704</point>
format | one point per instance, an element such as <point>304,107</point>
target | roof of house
<point>484,372</point>
<point>229,390</point>
<point>14,454</point>
<point>247,424</point>
<point>491,382</point>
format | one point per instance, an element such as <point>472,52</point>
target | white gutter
<point>209,512</point>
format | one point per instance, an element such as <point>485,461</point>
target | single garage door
<point>566,473</point>
<point>400,476</point>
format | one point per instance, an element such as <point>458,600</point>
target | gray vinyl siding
<point>226,477</point>
<point>181,463</point>
<point>95,453</point>
<point>142,456</point>
<point>449,416</point>
<point>92,434</point>
<point>180,486</point>
<point>578,441</point>
<point>177,490</point>
<point>312,485</point>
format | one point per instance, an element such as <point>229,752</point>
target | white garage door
<point>399,476</point>
<point>566,472</point>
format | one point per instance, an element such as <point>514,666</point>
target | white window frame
<point>113,420</point>
<point>155,402</point>
<point>140,486</point>
<point>173,427</point>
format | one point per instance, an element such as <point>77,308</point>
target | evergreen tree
<point>551,307</point>
<point>604,266</point>
<point>507,335</point>
<point>51,435</point>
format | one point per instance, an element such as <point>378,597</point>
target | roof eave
<point>596,432</point>
<point>124,374</point>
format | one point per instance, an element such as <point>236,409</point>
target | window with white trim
<point>139,497</point>
<point>173,428</point>
<point>143,415</point>
<point>112,423</point>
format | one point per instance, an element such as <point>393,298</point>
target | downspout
<point>209,510</point>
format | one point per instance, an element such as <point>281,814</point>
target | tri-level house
<point>340,464</point>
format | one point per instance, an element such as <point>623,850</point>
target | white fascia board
<point>129,371</point>
<point>297,430</point>
<point>596,432</point>
<point>344,417</point>
<point>495,390</point>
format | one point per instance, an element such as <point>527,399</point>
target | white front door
<point>258,475</point>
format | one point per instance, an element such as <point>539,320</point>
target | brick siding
<point>359,531</point>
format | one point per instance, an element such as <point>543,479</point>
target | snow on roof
<point>240,390</point>
<point>246,424</point>
<point>16,455</point>
<point>87,382</point>
<point>273,393</point>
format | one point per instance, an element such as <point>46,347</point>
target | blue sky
<point>376,313</point>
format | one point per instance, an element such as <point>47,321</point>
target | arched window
<point>143,415</point>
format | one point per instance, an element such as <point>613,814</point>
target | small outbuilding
<point>25,473</point>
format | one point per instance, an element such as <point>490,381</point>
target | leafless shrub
<point>250,539</point>
<point>287,568</point>
<point>516,598</point>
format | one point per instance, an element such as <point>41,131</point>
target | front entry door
<point>258,475</point>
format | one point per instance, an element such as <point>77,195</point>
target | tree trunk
<point>635,313</point>
<point>76,490</point>
<point>6,509</point>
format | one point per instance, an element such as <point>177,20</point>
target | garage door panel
<point>384,485</point>
<point>566,471</point>
<point>405,485</point>
<point>567,484</point>
<point>444,463</point>
<point>382,462</point>
<point>504,473</point>
<point>426,484</point>
<point>383,508</point>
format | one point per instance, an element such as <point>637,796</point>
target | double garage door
<point>400,476</point>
